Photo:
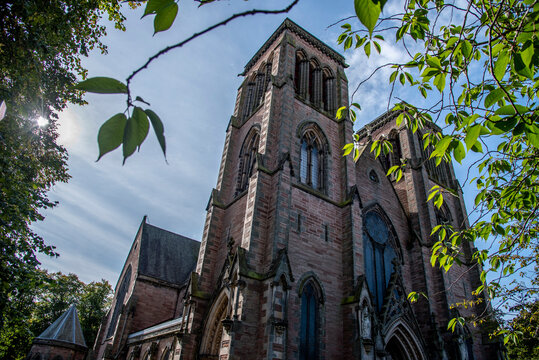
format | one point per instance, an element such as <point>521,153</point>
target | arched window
<point>249,97</point>
<point>379,255</point>
<point>247,160</point>
<point>120,297</point>
<point>301,74</point>
<point>166,354</point>
<point>312,160</point>
<point>315,83</point>
<point>310,322</point>
<point>328,90</point>
<point>392,158</point>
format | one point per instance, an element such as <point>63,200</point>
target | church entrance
<point>401,344</point>
<point>213,334</point>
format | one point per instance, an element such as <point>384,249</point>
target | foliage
<point>41,44</point>
<point>476,64</point>
<point>526,325</point>
<point>59,292</point>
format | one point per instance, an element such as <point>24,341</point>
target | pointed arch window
<point>315,83</point>
<point>247,160</point>
<point>312,160</point>
<point>310,319</point>
<point>301,74</point>
<point>379,256</point>
<point>249,97</point>
<point>392,158</point>
<point>328,90</point>
<point>120,297</point>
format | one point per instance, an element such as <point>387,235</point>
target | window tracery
<point>247,159</point>
<point>379,256</point>
<point>314,83</point>
<point>313,153</point>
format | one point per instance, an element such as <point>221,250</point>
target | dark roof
<point>302,33</point>
<point>66,329</point>
<point>165,255</point>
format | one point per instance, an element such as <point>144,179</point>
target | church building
<point>305,254</point>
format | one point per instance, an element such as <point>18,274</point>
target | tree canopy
<point>41,45</point>
<point>476,64</point>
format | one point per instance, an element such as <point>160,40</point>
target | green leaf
<point>367,49</point>
<point>441,147</point>
<point>102,85</point>
<point>347,149</point>
<point>466,49</point>
<point>340,112</point>
<point>158,128</point>
<point>111,134</point>
<point>493,97</point>
<point>136,129</point>
<point>459,152</point>
<point>368,12</point>
<point>165,17</point>
<point>527,53</point>
<point>377,46</point>
<point>439,81</point>
<point>471,135</point>
<point>520,67</point>
<point>348,43</point>
<point>510,110</point>
<point>501,65</point>
<point>153,6</point>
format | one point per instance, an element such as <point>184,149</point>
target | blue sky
<point>193,90</point>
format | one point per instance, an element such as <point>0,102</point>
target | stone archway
<point>213,333</point>
<point>402,344</point>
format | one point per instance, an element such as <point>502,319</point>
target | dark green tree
<point>41,45</point>
<point>526,325</point>
<point>59,292</point>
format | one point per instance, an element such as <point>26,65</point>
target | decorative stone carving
<point>463,350</point>
<point>366,326</point>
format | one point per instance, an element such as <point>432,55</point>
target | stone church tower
<point>306,254</point>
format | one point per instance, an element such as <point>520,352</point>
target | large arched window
<point>120,297</point>
<point>313,159</point>
<point>247,159</point>
<point>310,322</point>
<point>379,255</point>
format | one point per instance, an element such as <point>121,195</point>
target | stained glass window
<point>379,256</point>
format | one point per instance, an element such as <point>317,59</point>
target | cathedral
<point>305,254</point>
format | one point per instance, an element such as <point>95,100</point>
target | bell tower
<point>272,232</point>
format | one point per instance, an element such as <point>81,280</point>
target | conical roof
<point>66,328</point>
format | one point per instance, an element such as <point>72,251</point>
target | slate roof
<point>66,329</point>
<point>165,255</point>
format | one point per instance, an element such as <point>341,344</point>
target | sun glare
<point>41,121</point>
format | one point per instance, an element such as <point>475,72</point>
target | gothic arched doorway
<point>213,333</point>
<point>401,344</point>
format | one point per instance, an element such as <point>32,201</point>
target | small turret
<point>62,340</point>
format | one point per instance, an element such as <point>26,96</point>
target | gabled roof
<point>65,329</point>
<point>288,24</point>
<point>165,255</point>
